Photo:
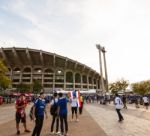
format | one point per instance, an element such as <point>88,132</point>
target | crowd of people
<point>120,101</point>
<point>58,111</point>
<point>136,99</point>
<point>126,99</point>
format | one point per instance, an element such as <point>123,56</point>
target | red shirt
<point>20,102</point>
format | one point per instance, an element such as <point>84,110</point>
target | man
<point>21,104</point>
<point>55,117</point>
<point>124,101</point>
<point>62,111</point>
<point>39,108</point>
<point>74,107</point>
<point>118,104</point>
<point>146,102</point>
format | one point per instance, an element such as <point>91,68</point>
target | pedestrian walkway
<point>85,127</point>
<point>107,119</point>
<point>97,120</point>
<point>8,113</point>
<point>131,110</point>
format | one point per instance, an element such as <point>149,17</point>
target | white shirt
<point>118,103</point>
<point>74,102</point>
<point>145,99</point>
<point>56,100</point>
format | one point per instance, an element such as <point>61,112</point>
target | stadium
<point>52,70</point>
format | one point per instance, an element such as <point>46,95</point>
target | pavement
<point>136,121</point>
<point>7,112</point>
<point>85,127</point>
<point>96,120</point>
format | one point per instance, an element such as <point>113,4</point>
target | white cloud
<point>73,27</point>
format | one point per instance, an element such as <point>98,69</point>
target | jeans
<point>55,119</point>
<point>38,126</point>
<point>119,114</point>
<point>63,120</point>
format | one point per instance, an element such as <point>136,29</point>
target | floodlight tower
<point>101,70</point>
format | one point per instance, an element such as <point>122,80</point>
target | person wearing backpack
<point>63,114</point>
<point>40,108</point>
<point>53,112</point>
<point>31,111</point>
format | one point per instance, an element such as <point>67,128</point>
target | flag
<point>77,95</point>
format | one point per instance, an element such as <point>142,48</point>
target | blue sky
<point>72,28</point>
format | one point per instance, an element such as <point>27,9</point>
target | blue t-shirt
<point>62,103</point>
<point>40,105</point>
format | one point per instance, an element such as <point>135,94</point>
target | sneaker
<point>58,133</point>
<point>77,120</point>
<point>61,134</point>
<point>66,134</point>
<point>18,132</point>
<point>28,131</point>
<point>52,133</point>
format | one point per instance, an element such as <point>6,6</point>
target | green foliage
<point>23,88</point>
<point>141,87</point>
<point>37,86</point>
<point>3,68</point>
<point>118,85</point>
<point>4,80</point>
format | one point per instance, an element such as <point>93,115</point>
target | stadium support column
<point>74,81</point>
<point>81,82</point>
<point>101,70</point>
<point>20,78</point>
<point>11,76</point>
<point>97,83</point>
<point>87,82</point>
<point>54,70</point>
<point>43,79</point>
<point>31,80</point>
<point>92,83</point>
<point>54,80</point>
<point>64,80</point>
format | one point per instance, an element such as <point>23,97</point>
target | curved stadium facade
<point>52,70</point>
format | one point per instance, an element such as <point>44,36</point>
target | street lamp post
<point>101,71</point>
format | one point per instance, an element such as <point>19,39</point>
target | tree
<point>23,88</point>
<point>141,88</point>
<point>118,86</point>
<point>37,86</point>
<point>4,80</point>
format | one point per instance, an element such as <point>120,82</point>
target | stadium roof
<point>20,57</point>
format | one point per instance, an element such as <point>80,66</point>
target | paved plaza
<point>136,123</point>
<point>85,127</point>
<point>97,120</point>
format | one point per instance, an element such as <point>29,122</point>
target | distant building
<point>52,70</point>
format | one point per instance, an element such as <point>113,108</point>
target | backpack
<point>53,109</point>
<point>31,112</point>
